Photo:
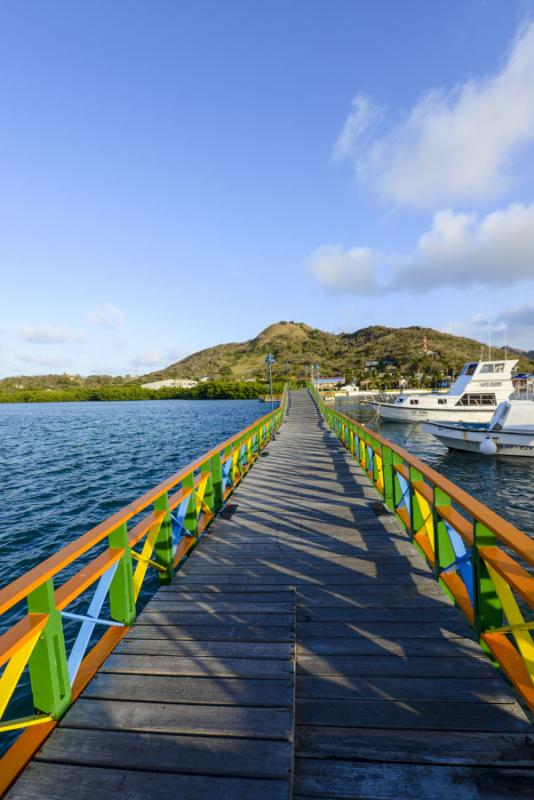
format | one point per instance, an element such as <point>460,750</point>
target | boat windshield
<point>492,368</point>
<point>469,369</point>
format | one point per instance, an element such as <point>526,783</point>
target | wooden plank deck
<point>393,698</point>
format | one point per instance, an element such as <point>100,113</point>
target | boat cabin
<point>480,383</point>
<point>483,383</point>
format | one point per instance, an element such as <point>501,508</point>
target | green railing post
<point>443,549</point>
<point>163,547</point>
<point>191,516</point>
<point>217,482</point>
<point>389,486</point>
<point>209,494</point>
<point>121,590</point>
<point>488,608</point>
<point>49,674</point>
<point>240,461</point>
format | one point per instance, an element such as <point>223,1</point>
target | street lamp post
<point>316,368</point>
<point>270,360</point>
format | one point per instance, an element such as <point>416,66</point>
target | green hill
<point>378,354</point>
<point>406,351</point>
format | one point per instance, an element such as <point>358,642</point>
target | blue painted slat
<point>463,562</point>
<point>178,518</point>
<point>84,634</point>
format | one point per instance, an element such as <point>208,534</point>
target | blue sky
<point>178,174</point>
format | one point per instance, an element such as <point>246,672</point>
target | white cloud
<point>340,270</point>
<point>513,326</point>
<point>459,250</point>
<point>107,316</point>
<point>457,145</point>
<point>51,361</point>
<point>463,249</point>
<point>361,119</point>
<point>47,334</point>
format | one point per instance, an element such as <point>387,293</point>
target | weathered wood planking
<point>393,696</point>
<point>212,715</point>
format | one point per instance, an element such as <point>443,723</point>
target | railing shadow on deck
<point>472,552</point>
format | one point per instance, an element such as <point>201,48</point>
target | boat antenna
<point>505,341</point>
<point>489,340</point>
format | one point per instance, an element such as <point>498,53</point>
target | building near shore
<point>174,383</point>
<point>328,383</point>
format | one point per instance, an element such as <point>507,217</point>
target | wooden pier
<point>305,650</point>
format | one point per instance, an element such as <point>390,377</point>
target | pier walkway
<point>305,650</point>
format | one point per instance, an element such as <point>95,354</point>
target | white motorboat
<point>509,433</point>
<point>474,396</point>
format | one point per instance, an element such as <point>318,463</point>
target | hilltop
<point>404,350</point>
<point>377,353</point>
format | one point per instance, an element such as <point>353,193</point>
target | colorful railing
<point>157,531</point>
<point>483,562</point>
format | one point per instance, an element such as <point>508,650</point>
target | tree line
<point>214,390</point>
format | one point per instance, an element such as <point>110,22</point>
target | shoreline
<point>223,390</point>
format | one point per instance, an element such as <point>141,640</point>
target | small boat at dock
<point>510,432</point>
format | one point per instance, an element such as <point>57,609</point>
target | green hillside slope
<point>296,345</point>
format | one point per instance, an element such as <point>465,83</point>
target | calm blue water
<point>504,484</point>
<point>64,467</point>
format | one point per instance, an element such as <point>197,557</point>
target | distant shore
<point>216,390</point>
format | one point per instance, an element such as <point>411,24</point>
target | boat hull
<point>392,413</point>
<point>508,443</point>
